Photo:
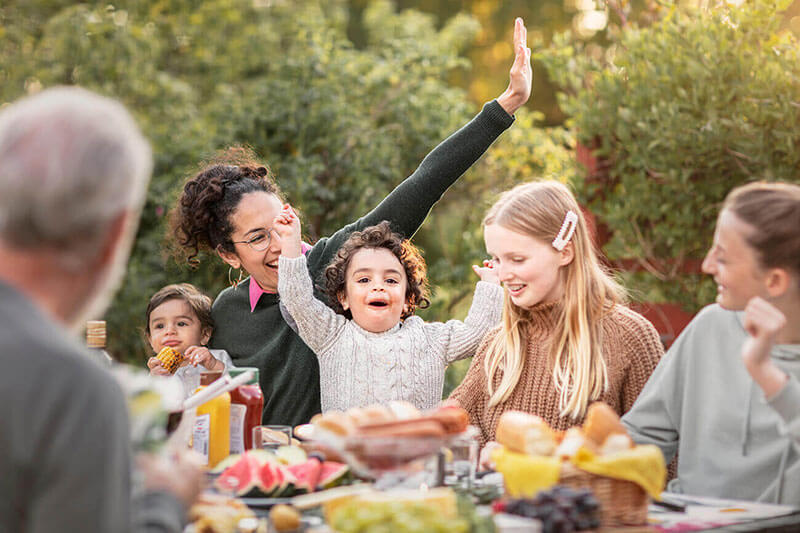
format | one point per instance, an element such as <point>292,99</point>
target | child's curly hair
<point>379,236</point>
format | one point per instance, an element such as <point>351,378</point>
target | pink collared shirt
<point>255,289</point>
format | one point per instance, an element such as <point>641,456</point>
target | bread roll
<point>572,441</point>
<point>525,433</point>
<point>335,422</point>
<point>358,416</point>
<point>616,442</point>
<point>601,421</point>
<point>379,413</point>
<point>404,410</point>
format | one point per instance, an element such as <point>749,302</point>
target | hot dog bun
<point>453,419</point>
<point>404,428</point>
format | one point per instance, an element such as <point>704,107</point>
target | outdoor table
<point>712,514</point>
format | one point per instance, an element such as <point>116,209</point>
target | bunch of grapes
<point>560,509</point>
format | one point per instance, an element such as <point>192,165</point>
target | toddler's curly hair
<point>379,236</point>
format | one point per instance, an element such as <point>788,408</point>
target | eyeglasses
<point>259,241</point>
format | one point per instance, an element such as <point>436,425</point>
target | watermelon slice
<point>307,475</point>
<point>277,480</point>
<point>243,476</point>
<point>332,474</point>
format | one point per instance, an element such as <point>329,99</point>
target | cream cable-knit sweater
<point>407,362</point>
<point>631,349</point>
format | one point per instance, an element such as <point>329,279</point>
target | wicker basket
<point>622,503</point>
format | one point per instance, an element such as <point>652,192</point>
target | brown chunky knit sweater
<point>631,349</point>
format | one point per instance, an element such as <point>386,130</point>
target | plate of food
<point>378,439</point>
<point>264,503</point>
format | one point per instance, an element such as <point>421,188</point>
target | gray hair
<point>71,162</point>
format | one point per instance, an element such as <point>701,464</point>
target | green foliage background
<point>678,114</point>
<point>339,125</point>
<point>343,98</point>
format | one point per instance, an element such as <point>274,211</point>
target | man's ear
<point>229,257</point>
<point>115,236</point>
<point>342,297</point>
<point>567,254</point>
<point>778,281</point>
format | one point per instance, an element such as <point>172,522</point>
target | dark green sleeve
<point>410,202</point>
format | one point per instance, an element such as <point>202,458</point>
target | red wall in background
<point>668,318</point>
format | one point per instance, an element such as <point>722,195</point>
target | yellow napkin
<point>525,475</point>
<point>644,465</point>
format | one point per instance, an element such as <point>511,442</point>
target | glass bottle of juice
<point>247,402</point>
<point>212,431</point>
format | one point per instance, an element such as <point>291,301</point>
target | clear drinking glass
<point>463,457</point>
<point>271,437</point>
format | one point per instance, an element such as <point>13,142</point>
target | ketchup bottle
<point>247,402</point>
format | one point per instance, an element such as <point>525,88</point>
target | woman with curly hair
<point>229,209</point>
<point>371,347</point>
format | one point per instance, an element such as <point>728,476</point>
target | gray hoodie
<point>701,402</point>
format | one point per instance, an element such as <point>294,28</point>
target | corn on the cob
<point>170,359</point>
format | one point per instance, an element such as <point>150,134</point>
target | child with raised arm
<point>371,348</point>
<point>566,338</point>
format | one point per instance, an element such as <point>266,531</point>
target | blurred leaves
<point>340,126</point>
<point>678,114</point>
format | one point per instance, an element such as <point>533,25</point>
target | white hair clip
<point>566,231</point>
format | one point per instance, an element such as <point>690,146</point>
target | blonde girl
<point>566,339</point>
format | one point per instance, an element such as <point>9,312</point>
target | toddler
<point>371,348</point>
<point>179,316</point>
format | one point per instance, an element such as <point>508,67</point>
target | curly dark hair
<point>201,219</point>
<point>379,236</point>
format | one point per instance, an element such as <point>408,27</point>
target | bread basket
<point>622,503</point>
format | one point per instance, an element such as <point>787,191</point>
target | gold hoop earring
<point>234,283</point>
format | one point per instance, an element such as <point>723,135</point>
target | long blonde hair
<point>538,210</point>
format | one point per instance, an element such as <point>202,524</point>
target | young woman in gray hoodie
<point>726,396</point>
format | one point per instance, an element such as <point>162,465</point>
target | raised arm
<point>763,322</point>
<point>461,339</point>
<point>316,323</point>
<point>410,202</point>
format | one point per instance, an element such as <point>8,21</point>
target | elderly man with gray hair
<point>74,169</point>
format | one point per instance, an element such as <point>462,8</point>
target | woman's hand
<point>485,462</point>
<point>200,355</point>
<point>156,368</point>
<point>763,321</point>
<point>487,272</point>
<point>521,74</point>
<point>287,226</point>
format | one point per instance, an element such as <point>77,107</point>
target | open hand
<point>200,355</point>
<point>287,225</point>
<point>485,461</point>
<point>521,74</point>
<point>487,272</point>
<point>182,474</point>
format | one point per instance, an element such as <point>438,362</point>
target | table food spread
<point>380,468</point>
